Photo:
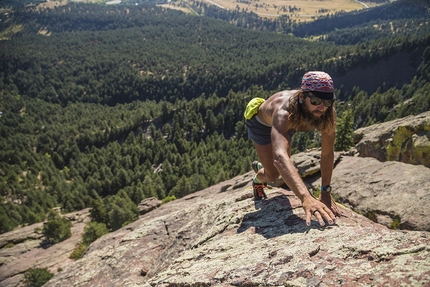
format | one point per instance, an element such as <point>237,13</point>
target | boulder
<point>406,140</point>
<point>148,204</point>
<point>391,193</point>
<point>308,163</point>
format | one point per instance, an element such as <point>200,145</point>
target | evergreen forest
<point>102,106</point>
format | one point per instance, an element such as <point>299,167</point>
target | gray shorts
<point>259,132</point>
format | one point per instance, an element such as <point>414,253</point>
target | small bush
<point>36,277</point>
<point>168,199</point>
<point>316,192</point>
<point>9,245</point>
<point>78,252</point>
<point>396,223</point>
<point>92,231</point>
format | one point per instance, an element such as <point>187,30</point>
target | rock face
<point>227,239</point>
<point>148,205</point>
<point>392,192</point>
<point>308,163</point>
<point>406,140</point>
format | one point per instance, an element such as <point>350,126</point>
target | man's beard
<point>310,118</point>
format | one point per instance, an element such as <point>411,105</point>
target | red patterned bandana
<point>320,82</point>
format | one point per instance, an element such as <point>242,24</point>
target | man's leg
<point>265,170</point>
<point>265,156</point>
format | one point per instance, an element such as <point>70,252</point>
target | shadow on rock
<point>275,217</point>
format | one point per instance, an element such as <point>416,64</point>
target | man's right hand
<point>322,212</point>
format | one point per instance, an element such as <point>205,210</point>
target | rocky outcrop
<point>148,205</point>
<point>406,140</point>
<point>21,249</point>
<point>308,163</point>
<point>225,238</point>
<point>391,193</point>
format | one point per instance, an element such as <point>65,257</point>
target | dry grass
<point>51,4</point>
<point>297,10</point>
<point>305,9</point>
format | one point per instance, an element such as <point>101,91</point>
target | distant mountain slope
<point>401,9</point>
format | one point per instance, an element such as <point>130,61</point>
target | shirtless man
<point>271,124</point>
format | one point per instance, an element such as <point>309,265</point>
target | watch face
<point>328,188</point>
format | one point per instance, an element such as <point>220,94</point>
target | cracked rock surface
<point>221,237</point>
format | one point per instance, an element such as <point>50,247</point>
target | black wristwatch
<point>326,188</point>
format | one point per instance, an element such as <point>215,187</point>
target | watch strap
<point>326,188</point>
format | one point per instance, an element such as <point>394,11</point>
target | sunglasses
<point>315,101</point>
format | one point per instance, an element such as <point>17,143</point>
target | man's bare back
<point>277,102</point>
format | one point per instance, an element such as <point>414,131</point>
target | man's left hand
<point>327,199</point>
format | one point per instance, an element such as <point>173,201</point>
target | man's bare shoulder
<point>284,94</point>
<point>275,107</point>
<point>280,100</point>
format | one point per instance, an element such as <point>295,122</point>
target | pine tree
<point>344,131</point>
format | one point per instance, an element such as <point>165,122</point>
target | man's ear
<point>301,96</point>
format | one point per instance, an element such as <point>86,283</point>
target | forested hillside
<point>103,106</point>
<point>356,23</point>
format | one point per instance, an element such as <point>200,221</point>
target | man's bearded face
<point>314,118</point>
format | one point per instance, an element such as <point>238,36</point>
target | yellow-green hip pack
<point>252,107</point>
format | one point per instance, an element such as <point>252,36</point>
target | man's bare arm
<point>326,167</point>
<point>281,142</point>
<point>327,157</point>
